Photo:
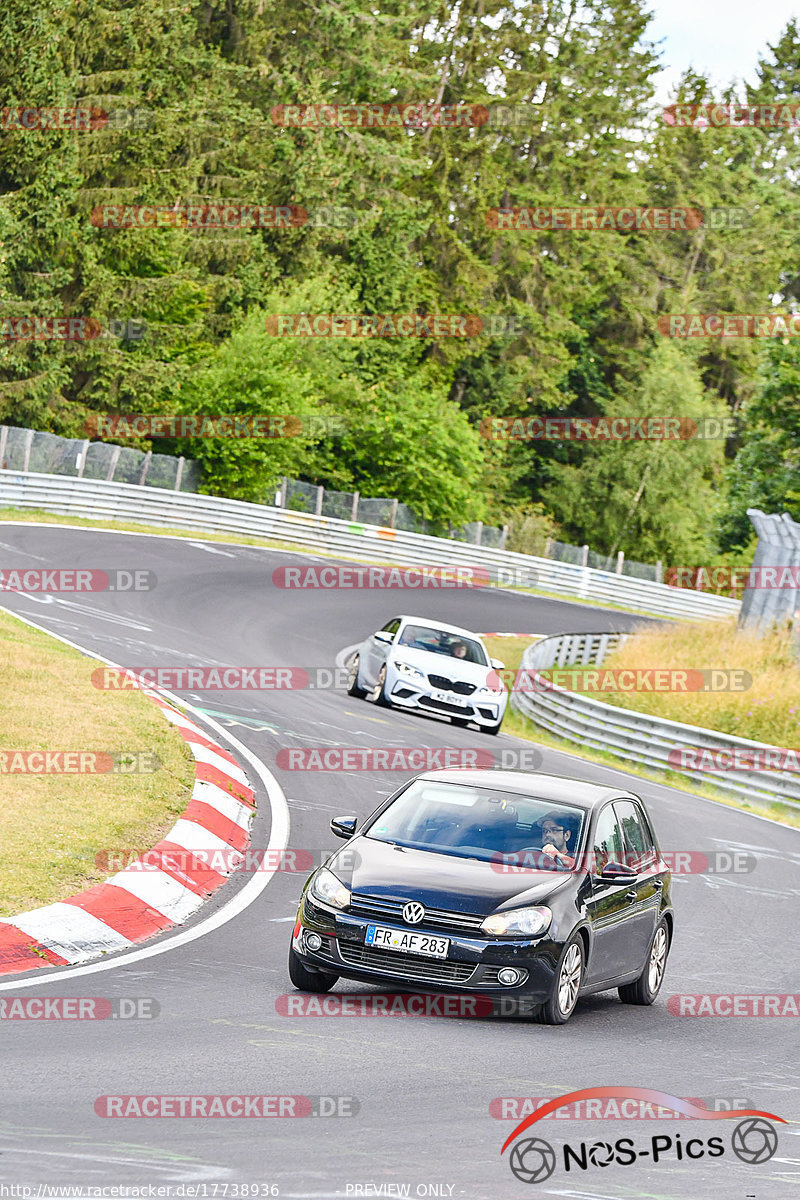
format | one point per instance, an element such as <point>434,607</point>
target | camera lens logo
<point>601,1154</point>
<point>533,1160</point>
<point>754,1140</point>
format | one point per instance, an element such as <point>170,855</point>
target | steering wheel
<point>536,850</point>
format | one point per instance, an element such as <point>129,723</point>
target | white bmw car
<point>416,663</point>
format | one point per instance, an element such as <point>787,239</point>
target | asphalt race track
<point>423,1084</point>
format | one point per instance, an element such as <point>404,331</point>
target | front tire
<point>308,981</point>
<point>379,691</point>
<point>491,728</point>
<point>560,1004</point>
<point>645,989</point>
<point>353,686</point>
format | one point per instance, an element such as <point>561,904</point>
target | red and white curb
<point>137,903</point>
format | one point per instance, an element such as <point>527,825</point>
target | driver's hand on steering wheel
<point>549,849</point>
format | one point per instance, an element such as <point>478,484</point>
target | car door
<point>640,853</point>
<point>375,651</point>
<point>609,902</point>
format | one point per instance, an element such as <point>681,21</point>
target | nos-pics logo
<point>533,1160</point>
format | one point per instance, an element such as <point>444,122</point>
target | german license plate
<point>407,943</point>
<point>450,698</point>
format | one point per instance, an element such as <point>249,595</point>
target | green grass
<point>510,651</point>
<point>53,825</point>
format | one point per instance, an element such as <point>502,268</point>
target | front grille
<point>312,913</point>
<point>406,966</point>
<point>444,706</point>
<point>452,685</point>
<point>379,908</point>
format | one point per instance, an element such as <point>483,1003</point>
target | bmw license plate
<point>450,698</point>
<point>407,943</point>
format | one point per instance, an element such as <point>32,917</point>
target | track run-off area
<point>410,1098</point>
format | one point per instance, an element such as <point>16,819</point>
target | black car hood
<point>440,880</point>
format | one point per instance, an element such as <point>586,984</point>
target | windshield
<point>483,823</point>
<point>439,641</point>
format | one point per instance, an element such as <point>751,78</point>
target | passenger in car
<point>555,838</point>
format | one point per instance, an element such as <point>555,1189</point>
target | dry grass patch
<point>53,825</point>
<point>768,711</point>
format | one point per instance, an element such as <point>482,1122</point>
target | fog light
<point>508,976</point>
<point>314,941</point>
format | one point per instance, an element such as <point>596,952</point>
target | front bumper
<point>472,962</point>
<point>484,709</point>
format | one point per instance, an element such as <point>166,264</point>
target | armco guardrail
<point>109,501</point>
<point>637,737</point>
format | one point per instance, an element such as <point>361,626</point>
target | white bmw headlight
<point>330,890</point>
<point>409,671</point>
<point>518,922</point>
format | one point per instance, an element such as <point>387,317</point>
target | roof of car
<point>433,623</point>
<point>558,788</point>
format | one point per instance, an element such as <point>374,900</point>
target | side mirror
<point>497,664</point>
<point>344,827</point>
<point>382,636</point>
<point>615,870</point>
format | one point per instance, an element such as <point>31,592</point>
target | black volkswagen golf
<point>502,882</point>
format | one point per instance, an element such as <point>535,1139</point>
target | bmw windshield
<point>441,641</point>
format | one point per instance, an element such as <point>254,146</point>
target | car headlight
<point>409,671</point>
<point>330,890</point>
<point>528,922</point>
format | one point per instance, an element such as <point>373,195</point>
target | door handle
<point>631,895</point>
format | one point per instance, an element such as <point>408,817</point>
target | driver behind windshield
<point>555,838</point>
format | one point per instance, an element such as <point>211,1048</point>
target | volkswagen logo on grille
<point>413,913</point>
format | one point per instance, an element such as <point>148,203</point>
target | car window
<point>473,822</point>
<point>607,840</point>
<point>441,641</point>
<point>639,846</point>
<point>391,626</point>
